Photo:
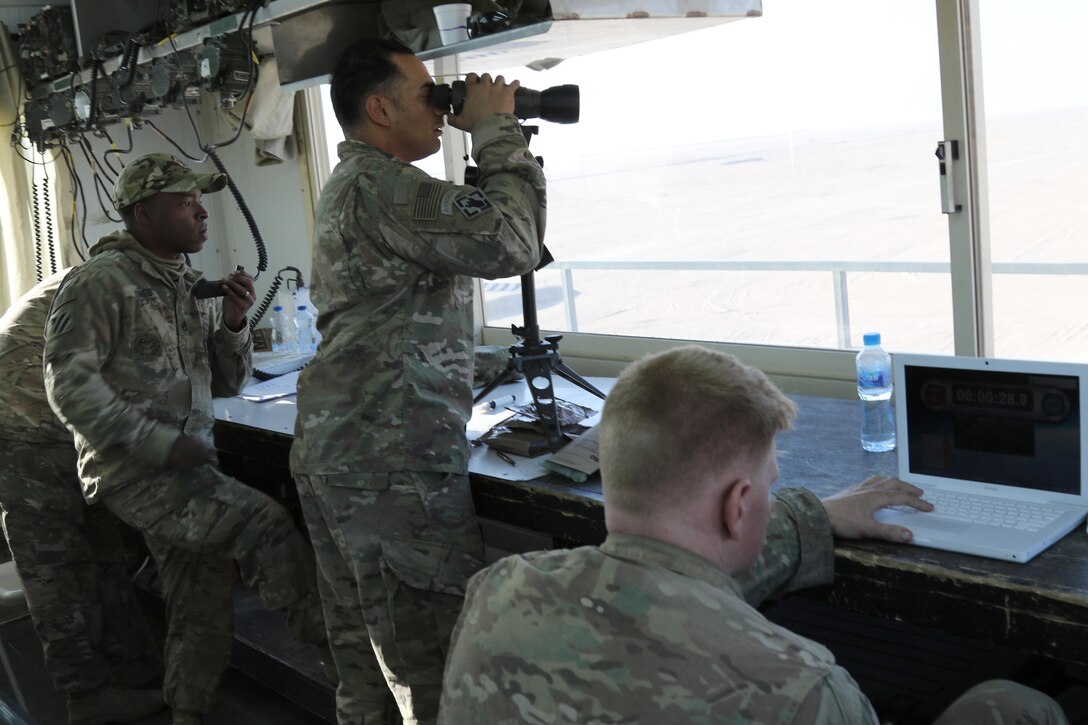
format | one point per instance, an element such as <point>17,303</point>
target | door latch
<point>947,152</point>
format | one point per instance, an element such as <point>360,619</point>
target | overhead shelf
<point>563,39</point>
<point>577,27</point>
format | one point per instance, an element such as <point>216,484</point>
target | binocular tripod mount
<point>537,359</point>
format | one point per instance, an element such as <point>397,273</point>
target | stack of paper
<point>278,387</point>
<point>278,363</point>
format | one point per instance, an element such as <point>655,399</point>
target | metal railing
<point>839,269</point>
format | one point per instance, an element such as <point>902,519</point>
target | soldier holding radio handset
<point>132,360</point>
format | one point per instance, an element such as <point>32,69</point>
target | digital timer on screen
<point>994,397</point>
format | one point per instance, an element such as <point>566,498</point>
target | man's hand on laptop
<point>851,511</point>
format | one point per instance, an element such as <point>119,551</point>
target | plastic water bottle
<point>302,297</point>
<point>305,330</point>
<point>283,331</point>
<point>875,390</point>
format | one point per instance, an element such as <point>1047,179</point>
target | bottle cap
<point>871,338</point>
<point>278,308</point>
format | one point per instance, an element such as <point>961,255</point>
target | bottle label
<point>871,379</point>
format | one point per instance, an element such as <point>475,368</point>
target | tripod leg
<point>568,374</point>
<point>505,376</point>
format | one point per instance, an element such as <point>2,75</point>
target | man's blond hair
<point>679,415</point>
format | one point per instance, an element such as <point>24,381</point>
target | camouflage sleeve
<point>231,356</point>
<point>495,229</point>
<point>836,700</point>
<point>80,336</point>
<point>799,551</point>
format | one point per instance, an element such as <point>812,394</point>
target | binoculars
<point>558,104</point>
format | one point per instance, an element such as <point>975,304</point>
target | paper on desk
<point>580,456</point>
<point>279,387</point>
<point>279,363</point>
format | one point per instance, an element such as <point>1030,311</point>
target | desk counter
<point>1039,607</point>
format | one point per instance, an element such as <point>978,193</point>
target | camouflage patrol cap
<point>491,361</point>
<point>150,174</point>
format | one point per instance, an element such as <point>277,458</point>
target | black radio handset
<point>205,288</point>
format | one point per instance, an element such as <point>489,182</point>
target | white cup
<point>453,22</point>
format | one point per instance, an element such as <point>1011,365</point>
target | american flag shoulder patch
<point>428,195</point>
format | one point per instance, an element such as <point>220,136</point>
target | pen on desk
<point>506,458</point>
<point>498,402</point>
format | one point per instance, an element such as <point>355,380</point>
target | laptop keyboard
<point>992,512</point>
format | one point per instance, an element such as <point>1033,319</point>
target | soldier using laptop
<point>658,624</point>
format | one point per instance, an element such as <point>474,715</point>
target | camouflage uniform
<point>380,455</point>
<point>638,630</point>
<point>71,558</point>
<point>132,361</point>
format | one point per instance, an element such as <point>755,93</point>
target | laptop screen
<point>984,420</point>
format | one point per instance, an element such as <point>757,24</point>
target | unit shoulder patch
<point>472,204</point>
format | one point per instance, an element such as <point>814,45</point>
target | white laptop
<point>1000,440</point>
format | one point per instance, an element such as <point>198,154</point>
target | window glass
<point>801,140</point>
<point>798,145</point>
<point>1036,105</point>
